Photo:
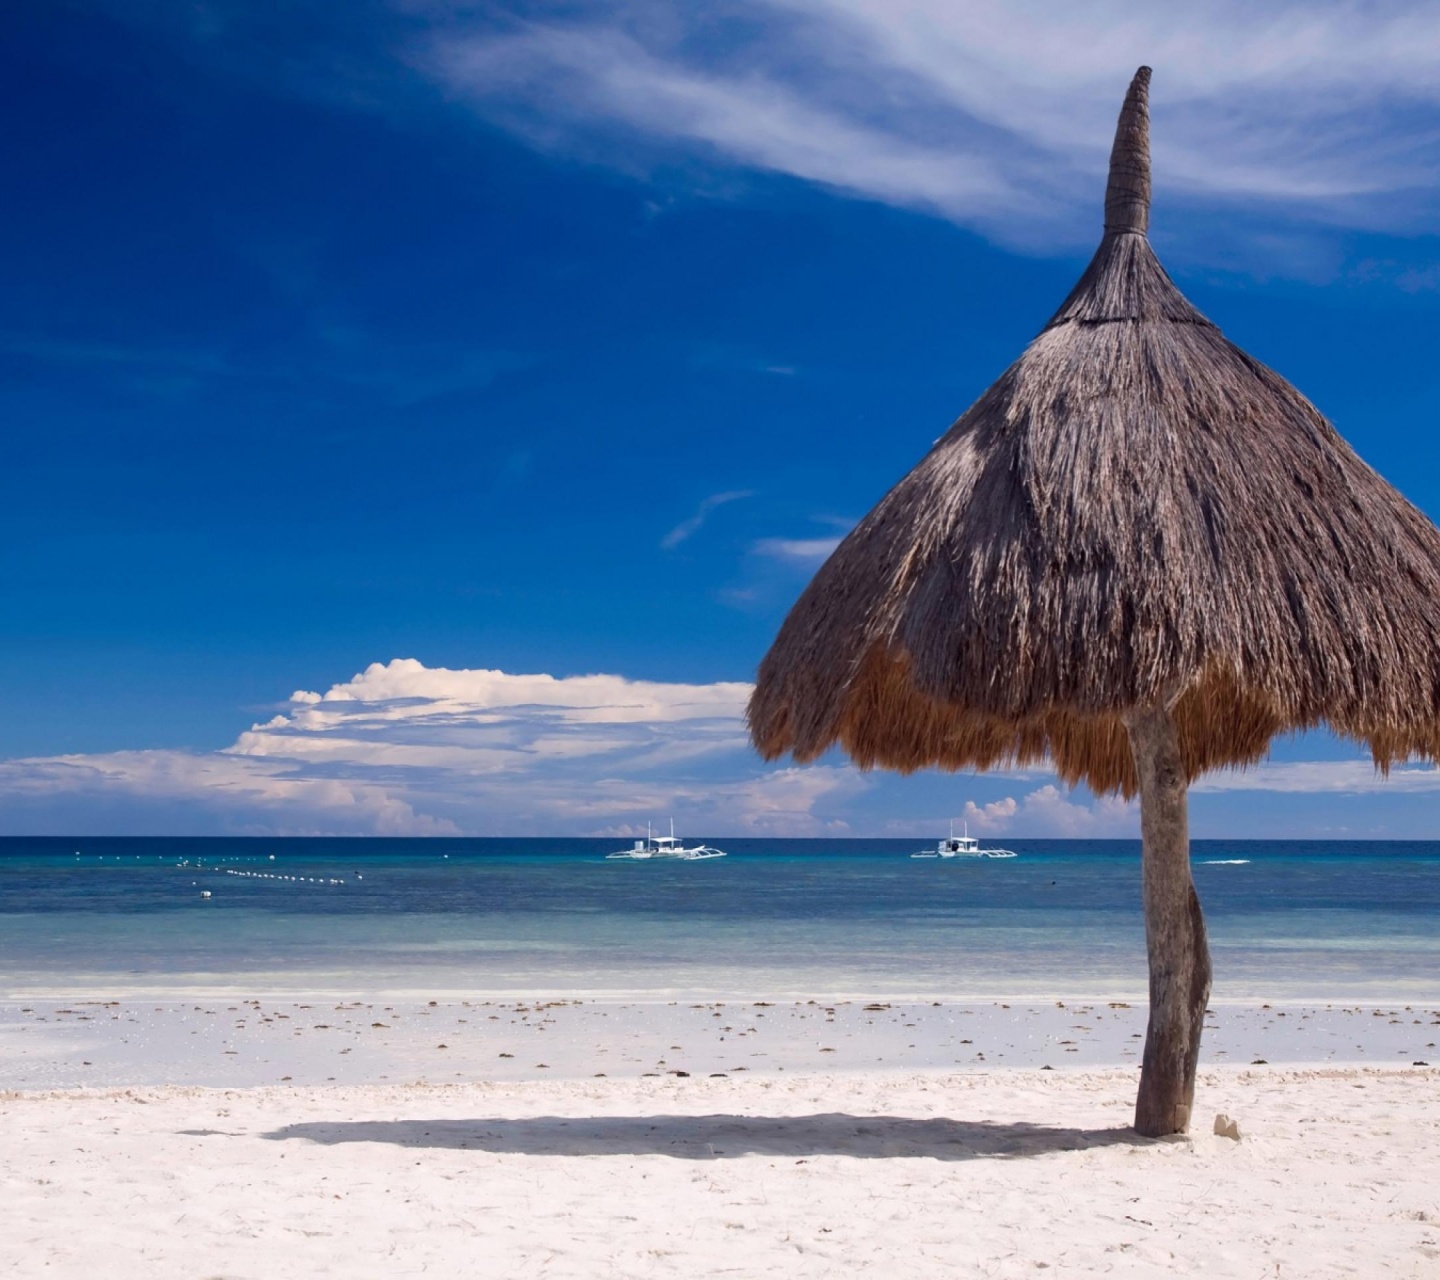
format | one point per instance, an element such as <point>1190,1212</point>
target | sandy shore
<point>378,1137</point>
<point>356,1138</point>
<point>46,1044</point>
<point>1002,1173</point>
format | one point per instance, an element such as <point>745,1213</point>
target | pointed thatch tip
<point>1127,196</point>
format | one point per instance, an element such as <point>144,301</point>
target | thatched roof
<point>1137,511</point>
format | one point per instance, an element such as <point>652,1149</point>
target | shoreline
<point>1375,995</point>
<point>244,1043</point>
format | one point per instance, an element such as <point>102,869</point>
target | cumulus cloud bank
<point>404,749</point>
<point>1050,810</point>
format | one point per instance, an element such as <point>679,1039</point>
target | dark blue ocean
<point>1301,920</point>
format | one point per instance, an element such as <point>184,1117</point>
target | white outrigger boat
<point>670,846</point>
<point>966,846</point>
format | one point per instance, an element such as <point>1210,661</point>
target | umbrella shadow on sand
<point>721,1136</point>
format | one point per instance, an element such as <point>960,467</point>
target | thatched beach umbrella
<point>1141,554</point>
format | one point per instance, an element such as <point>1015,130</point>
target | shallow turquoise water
<point>1288,919</point>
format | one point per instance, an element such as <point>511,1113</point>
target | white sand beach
<point>883,1173</point>
<point>591,1139</point>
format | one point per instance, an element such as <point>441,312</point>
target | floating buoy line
<point>211,865</point>
<point>271,875</point>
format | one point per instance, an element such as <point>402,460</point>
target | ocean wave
<point>1225,862</point>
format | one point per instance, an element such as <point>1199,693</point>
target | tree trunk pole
<point>1174,930</point>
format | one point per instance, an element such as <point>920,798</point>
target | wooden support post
<point>1174,930</point>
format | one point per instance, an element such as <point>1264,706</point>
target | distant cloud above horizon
<point>996,115</point>
<point>405,749</point>
<point>402,749</point>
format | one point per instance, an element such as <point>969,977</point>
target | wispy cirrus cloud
<point>606,74</point>
<point>1299,119</point>
<point>1317,777</point>
<point>997,113</point>
<point>688,528</point>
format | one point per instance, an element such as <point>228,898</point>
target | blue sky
<point>401,351</point>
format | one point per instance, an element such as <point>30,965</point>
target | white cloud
<point>810,552</point>
<point>996,113</point>
<point>1049,811</point>
<point>994,816</point>
<point>405,749</point>
<point>405,689</point>
<point>782,803</point>
<point>1316,777</point>
<point>604,74</point>
<point>218,792</point>
<point>688,528</point>
<point>1045,811</point>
